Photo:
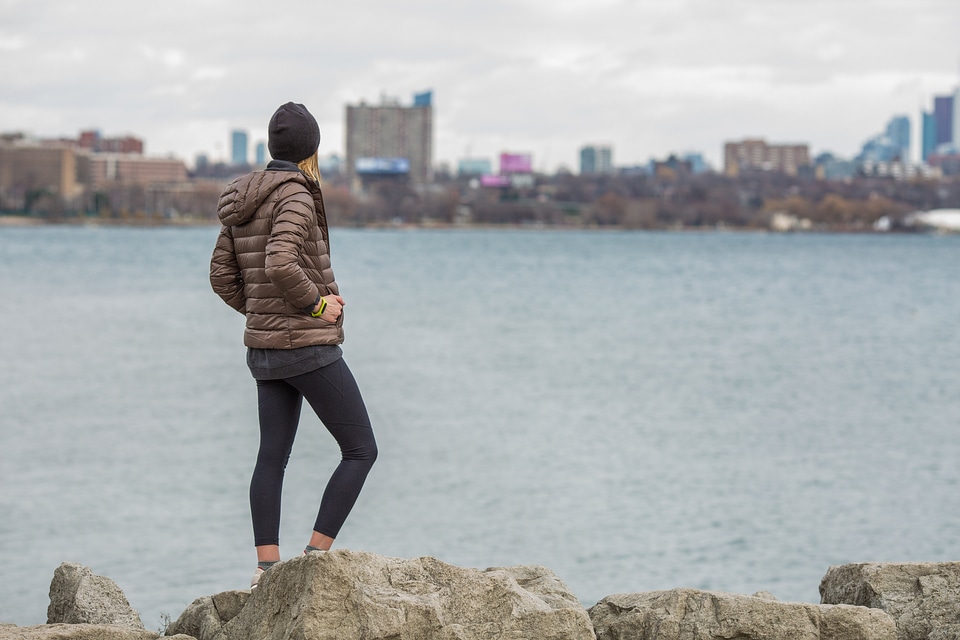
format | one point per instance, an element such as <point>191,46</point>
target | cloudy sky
<point>538,76</point>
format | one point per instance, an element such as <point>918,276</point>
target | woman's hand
<point>333,309</point>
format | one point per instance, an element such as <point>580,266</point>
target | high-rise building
<point>238,147</point>
<point>955,129</point>
<point>943,115</point>
<point>261,154</point>
<point>390,139</point>
<point>928,140</point>
<point>596,159</point>
<point>756,153</point>
<point>898,132</point>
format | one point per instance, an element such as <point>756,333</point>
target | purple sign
<point>495,181</point>
<point>515,163</point>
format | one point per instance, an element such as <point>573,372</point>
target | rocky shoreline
<point>353,595</point>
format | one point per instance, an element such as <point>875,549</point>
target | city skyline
<point>536,77</point>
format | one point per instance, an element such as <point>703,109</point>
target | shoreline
<point>20,221</point>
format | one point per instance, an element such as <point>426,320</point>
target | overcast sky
<point>537,76</point>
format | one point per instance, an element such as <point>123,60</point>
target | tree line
<point>666,200</point>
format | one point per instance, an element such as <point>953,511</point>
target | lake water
<point>636,411</point>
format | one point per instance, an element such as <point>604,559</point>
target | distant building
<point>943,116</point>
<point>330,164</point>
<point>893,145</point>
<point>829,167</point>
<point>379,137</point>
<point>93,141</point>
<point>261,154</point>
<point>671,168</point>
<point>898,131</point>
<point>99,169</point>
<point>928,140</point>
<point>897,170</point>
<point>698,163</point>
<point>238,147</point>
<point>756,153</point>
<point>31,168</point>
<point>596,159</point>
<point>947,161</point>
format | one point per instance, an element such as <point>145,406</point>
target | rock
<point>349,595</point>
<point>77,632</point>
<point>922,597</point>
<point>690,614</point>
<point>766,595</point>
<point>77,596</point>
<point>946,632</point>
<point>205,616</point>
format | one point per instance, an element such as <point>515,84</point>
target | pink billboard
<point>494,181</point>
<point>515,163</point>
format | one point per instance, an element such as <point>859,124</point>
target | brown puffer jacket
<point>271,260</point>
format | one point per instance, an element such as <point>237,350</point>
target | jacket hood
<point>242,197</point>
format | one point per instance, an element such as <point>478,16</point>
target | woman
<point>272,263</point>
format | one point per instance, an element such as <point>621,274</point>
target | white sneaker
<point>256,578</point>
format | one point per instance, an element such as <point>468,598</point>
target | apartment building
<point>757,153</point>
<point>380,137</point>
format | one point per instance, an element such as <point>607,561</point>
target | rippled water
<point>636,411</point>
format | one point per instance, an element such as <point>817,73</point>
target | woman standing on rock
<point>272,263</point>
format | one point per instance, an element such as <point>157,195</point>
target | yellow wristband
<point>319,312</point>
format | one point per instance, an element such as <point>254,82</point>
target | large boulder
<point>77,596</point>
<point>205,616</point>
<point>77,632</point>
<point>947,632</point>
<point>691,614</point>
<point>923,597</point>
<point>349,595</point>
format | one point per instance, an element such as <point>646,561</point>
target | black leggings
<point>334,396</point>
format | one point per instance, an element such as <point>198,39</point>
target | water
<point>636,411</point>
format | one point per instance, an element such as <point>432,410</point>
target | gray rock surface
<point>77,632</point>
<point>77,596</point>
<point>922,597</point>
<point>349,595</point>
<point>690,614</point>
<point>946,632</point>
<point>205,616</point>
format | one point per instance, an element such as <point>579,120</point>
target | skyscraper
<point>596,159</point>
<point>898,131</point>
<point>238,147</point>
<point>928,140</point>
<point>391,139</point>
<point>943,108</point>
<point>261,154</point>
<point>955,129</point>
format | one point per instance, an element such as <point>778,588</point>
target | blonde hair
<point>310,167</point>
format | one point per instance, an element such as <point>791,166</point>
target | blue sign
<point>382,166</point>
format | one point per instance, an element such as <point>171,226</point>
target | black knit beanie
<point>294,134</point>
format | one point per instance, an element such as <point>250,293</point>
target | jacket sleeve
<point>225,275</point>
<point>294,217</point>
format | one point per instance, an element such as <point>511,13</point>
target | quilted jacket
<point>272,259</point>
